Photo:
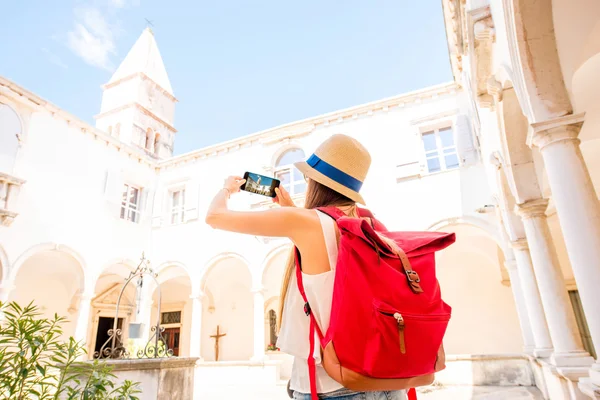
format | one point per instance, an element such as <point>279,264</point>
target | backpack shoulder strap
<point>333,212</point>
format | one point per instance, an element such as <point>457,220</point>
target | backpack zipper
<point>400,322</point>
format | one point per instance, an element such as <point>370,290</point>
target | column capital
<point>532,209</point>
<point>258,290</point>
<point>556,130</point>
<point>519,244</point>
<point>199,295</point>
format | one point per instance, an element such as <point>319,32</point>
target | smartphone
<point>260,184</point>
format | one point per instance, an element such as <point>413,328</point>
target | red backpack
<point>387,315</point>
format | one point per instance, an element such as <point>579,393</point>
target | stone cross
<point>217,337</point>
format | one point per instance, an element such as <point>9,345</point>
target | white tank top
<point>293,336</point>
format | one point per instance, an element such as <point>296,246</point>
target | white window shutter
<point>113,191</point>
<point>409,161</point>
<point>146,199</point>
<point>467,152</point>
<point>191,201</point>
<point>157,207</point>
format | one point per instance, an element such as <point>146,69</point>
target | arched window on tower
<point>149,139</point>
<point>156,144</point>
<point>291,178</point>
<point>272,328</point>
<point>117,129</point>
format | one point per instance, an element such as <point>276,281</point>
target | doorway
<point>104,325</point>
<point>171,336</point>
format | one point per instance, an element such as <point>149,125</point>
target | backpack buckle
<point>411,272</point>
<point>307,309</point>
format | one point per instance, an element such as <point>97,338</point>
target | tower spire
<point>138,104</point>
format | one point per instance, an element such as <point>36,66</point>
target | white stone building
<point>79,205</point>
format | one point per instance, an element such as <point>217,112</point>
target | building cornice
<point>143,109</point>
<point>266,137</point>
<point>302,127</point>
<point>143,76</point>
<point>20,95</point>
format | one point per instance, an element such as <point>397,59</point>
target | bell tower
<point>138,104</point>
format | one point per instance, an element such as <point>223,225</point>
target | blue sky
<point>236,67</point>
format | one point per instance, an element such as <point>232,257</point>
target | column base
<point>578,359</point>
<point>589,389</point>
<point>258,359</point>
<point>563,384</point>
<point>544,352</point>
<point>595,373</point>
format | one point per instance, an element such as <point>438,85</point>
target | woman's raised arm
<point>291,222</point>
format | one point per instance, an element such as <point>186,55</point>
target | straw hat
<point>341,163</point>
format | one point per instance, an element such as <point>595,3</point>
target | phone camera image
<point>260,184</point>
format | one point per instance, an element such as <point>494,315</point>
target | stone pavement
<point>256,392</point>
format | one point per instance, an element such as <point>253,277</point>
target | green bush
<point>36,364</point>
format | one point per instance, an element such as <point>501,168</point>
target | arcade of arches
<point>243,304</point>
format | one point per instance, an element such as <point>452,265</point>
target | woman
<point>335,173</point>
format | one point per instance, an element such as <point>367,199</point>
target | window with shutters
<point>289,176</point>
<point>130,203</point>
<point>177,206</point>
<point>440,149</point>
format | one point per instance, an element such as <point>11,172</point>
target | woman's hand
<point>283,198</point>
<point>233,183</point>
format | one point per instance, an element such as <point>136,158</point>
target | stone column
<point>578,212</point>
<point>196,324</point>
<point>524,321</point>
<point>568,348</point>
<point>83,317</point>
<point>533,302</point>
<point>259,324</point>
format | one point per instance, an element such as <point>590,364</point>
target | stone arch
<point>53,277</point>
<point>175,284</point>
<point>11,128</point>
<point>534,55</point>
<point>49,247</point>
<point>480,223</point>
<point>228,280</point>
<point>163,267</point>
<point>212,263</point>
<point>107,285</point>
<point>514,128</point>
<point>474,265</point>
<point>274,252</point>
<point>272,271</point>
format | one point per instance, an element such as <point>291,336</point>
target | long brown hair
<point>317,195</point>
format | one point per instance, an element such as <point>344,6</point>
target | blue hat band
<point>334,174</point>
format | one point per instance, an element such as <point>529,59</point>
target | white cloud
<point>54,59</point>
<point>92,38</point>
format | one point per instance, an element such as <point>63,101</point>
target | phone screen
<point>260,184</point>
